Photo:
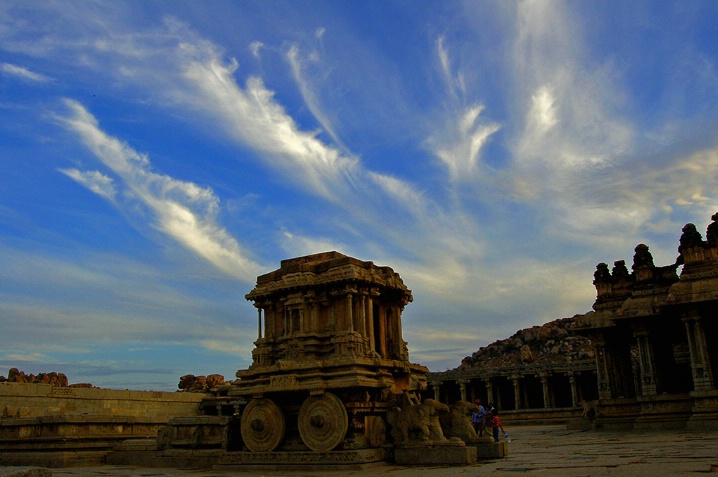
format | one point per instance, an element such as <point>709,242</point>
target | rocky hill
<point>551,343</point>
<point>52,378</point>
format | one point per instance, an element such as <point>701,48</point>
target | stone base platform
<point>144,453</point>
<point>492,450</point>
<point>435,455</point>
<point>24,472</point>
<point>271,461</point>
<point>55,459</point>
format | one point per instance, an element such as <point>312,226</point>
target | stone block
<point>137,445</point>
<point>492,450</point>
<point>435,455</point>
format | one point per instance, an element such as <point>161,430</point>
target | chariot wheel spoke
<point>323,422</point>
<point>262,425</point>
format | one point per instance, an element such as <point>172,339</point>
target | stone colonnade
<point>519,387</point>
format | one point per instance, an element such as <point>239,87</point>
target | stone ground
<point>534,450</point>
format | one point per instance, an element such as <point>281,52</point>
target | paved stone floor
<point>534,450</point>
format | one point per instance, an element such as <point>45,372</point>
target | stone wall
<point>39,400</point>
<point>54,426</point>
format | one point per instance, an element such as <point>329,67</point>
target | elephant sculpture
<point>420,420</point>
<point>458,422</point>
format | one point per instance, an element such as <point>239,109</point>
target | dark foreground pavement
<point>533,450</point>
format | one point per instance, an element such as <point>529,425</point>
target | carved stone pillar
<point>646,360</point>
<point>393,340</point>
<point>462,389</point>
<point>313,316</point>
<point>437,390</point>
<point>546,391</point>
<point>399,331</point>
<point>489,392</point>
<point>370,323</point>
<point>498,403</point>
<point>517,391</point>
<point>274,323</point>
<point>259,323</point>
<point>604,386</point>
<point>362,316</point>
<point>574,391</point>
<point>382,333</point>
<point>697,346</point>
<point>309,321</point>
<point>349,314</point>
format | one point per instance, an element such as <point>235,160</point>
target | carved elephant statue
<point>458,422</point>
<point>419,418</point>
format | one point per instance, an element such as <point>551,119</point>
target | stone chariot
<point>329,362</point>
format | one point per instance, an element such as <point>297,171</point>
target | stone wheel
<point>323,422</point>
<point>262,425</point>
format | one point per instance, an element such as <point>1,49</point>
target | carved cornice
<point>330,268</point>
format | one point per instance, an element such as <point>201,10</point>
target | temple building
<point>653,334</point>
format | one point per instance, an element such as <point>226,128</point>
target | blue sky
<point>155,157</point>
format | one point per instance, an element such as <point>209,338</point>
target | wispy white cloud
<point>459,142</point>
<point>140,323</point>
<point>227,347</point>
<point>96,181</point>
<point>256,48</point>
<point>462,144</point>
<point>296,245</point>
<point>182,210</point>
<point>252,116</point>
<point>401,192</point>
<point>23,73</point>
<point>308,92</point>
<point>571,119</point>
<point>30,357</point>
<point>455,84</point>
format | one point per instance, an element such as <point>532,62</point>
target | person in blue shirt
<point>477,418</point>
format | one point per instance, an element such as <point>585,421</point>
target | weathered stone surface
<point>307,460</point>
<point>536,451</point>
<point>170,458</point>
<point>492,450</point>
<point>435,455</point>
<point>40,400</point>
<point>25,472</point>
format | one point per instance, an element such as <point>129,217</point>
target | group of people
<point>483,419</point>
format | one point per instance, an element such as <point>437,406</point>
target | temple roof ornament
<point>712,232</point>
<point>642,257</point>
